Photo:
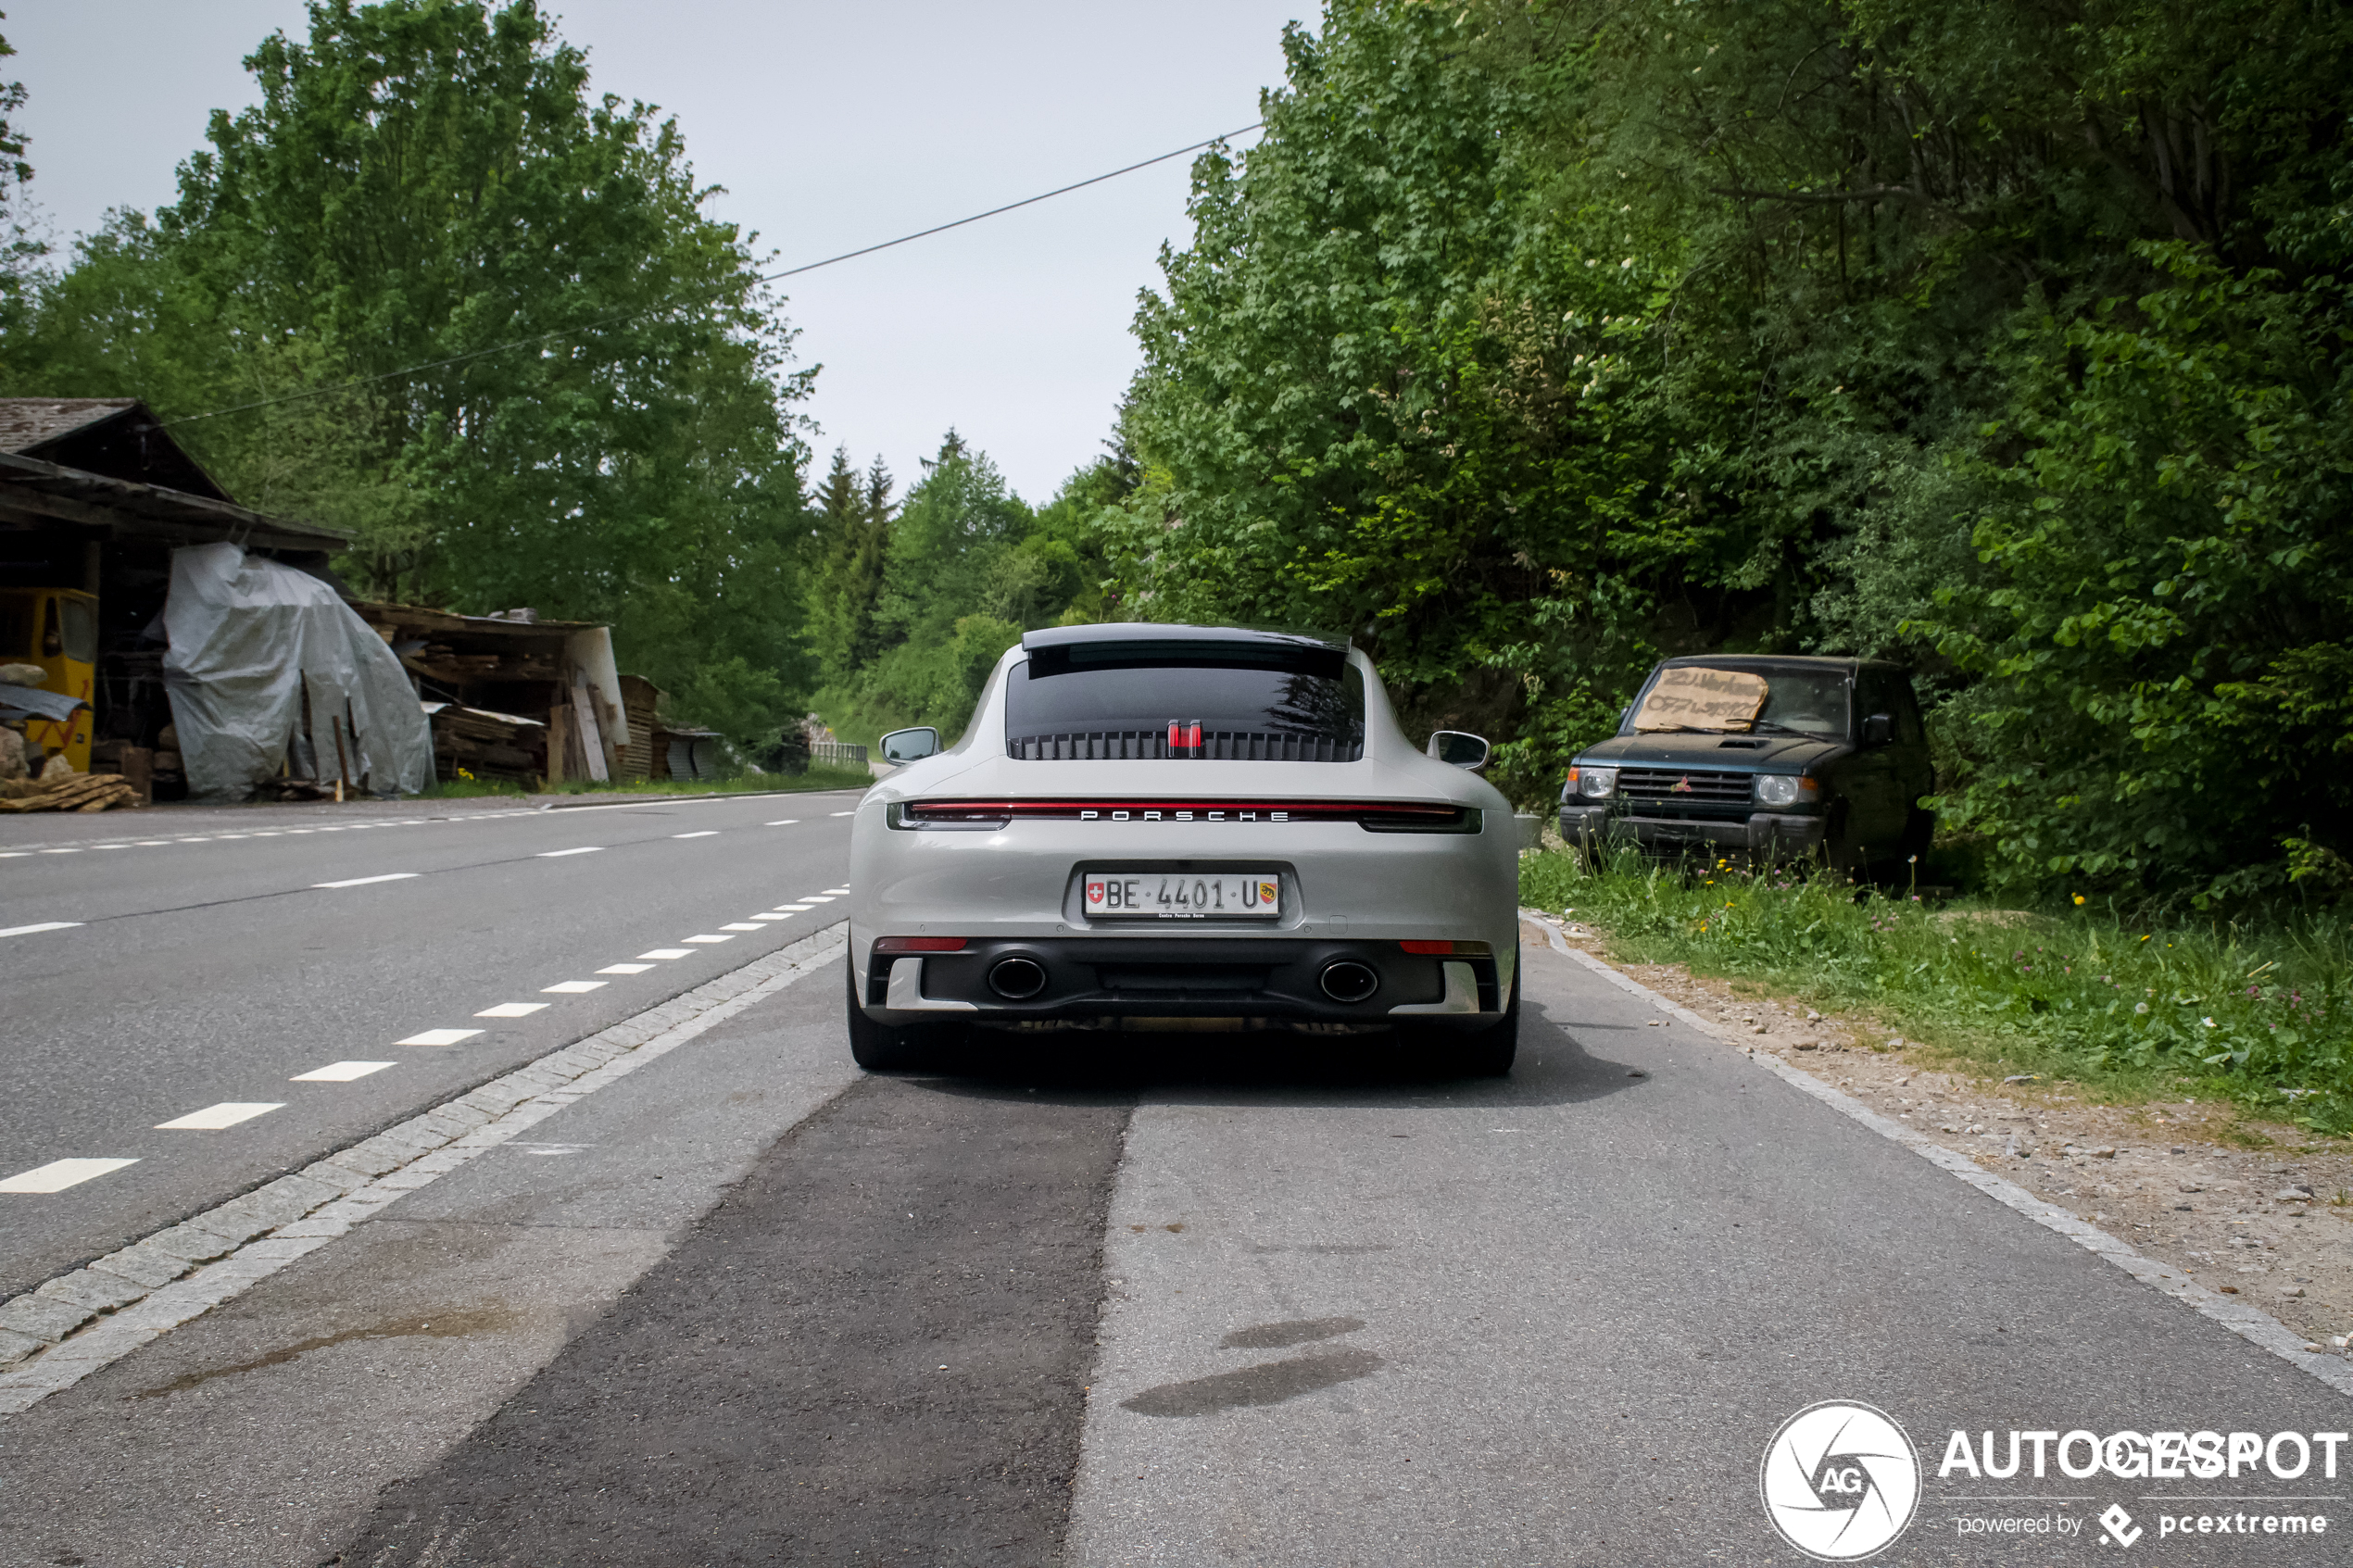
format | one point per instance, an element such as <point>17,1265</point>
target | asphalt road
<point>1187,1300</point>
<point>207,968</point>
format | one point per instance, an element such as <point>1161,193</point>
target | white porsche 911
<point>1171,828</point>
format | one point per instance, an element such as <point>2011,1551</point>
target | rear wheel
<point>1919,832</point>
<point>1481,1053</point>
<point>884,1047</point>
<point>1843,852</point>
<point>1491,1052</point>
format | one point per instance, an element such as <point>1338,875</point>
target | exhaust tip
<point>1017,979</point>
<point>1349,981</point>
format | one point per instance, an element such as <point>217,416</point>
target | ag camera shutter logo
<point>1840,1481</point>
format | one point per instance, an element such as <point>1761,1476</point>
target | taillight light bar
<point>1434,814</point>
<point>1451,950</point>
<point>920,944</point>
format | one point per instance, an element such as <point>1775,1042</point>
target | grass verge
<point>2260,1015</point>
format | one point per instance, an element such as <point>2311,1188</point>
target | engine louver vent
<point>1234,746</point>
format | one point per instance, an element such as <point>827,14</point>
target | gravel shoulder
<point>2174,1178</point>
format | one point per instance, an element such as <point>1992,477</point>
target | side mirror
<point>909,746</point>
<point>1879,729</point>
<point>1459,748</point>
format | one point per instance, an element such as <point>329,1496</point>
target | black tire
<point>883,1047</point>
<point>1842,856</point>
<point>1919,833</point>
<point>1482,1053</point>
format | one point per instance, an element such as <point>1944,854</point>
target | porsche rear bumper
<point>1131,981</point>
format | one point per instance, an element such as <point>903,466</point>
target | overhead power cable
<point>651,309</point>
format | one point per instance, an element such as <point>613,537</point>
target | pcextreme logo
<point>1840,1480</point>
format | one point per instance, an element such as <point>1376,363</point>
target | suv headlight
<point>1785,789</point>
<point>1592,783</point>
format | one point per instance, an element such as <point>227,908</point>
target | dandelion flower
<point>2079,898</point>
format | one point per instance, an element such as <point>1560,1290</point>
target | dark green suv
<point>1774,756</point>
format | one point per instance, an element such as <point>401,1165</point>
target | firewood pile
<point>439,661</point>
<point>73,791</point>
<point>488,745</point>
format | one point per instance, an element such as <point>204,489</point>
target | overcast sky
<point>831,126</point>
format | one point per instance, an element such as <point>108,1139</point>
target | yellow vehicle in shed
<point>58,629</point>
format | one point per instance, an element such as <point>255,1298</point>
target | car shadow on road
<point>1277,1067</point>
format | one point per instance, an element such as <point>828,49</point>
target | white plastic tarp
<point>249,637</point>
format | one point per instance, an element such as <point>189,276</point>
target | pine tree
<point>854,512</point>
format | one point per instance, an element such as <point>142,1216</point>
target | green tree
<point>2166,626</point>
<point>967,568</point>
<point>1382,395</point>
<point>21,250</point>
<point>429,183</point>
<point>854,512</point>
<point>1535,341</point>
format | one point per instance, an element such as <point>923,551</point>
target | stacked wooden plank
<point>439,661</point>
<point>641,700</point>
<point>77,792</point>
<point>488,745</point>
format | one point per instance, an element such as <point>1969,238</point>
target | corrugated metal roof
<point>27,423</point>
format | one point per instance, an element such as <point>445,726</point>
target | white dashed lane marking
<point>212,1118</point>
<point>838,892</point>
<point>521,813</point>
<point>707,833</point>
<point>438,1037</point>
<point>339,1072</point>
<point>60,1174</point>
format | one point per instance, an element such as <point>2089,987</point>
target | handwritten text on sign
<point>1701,698</point>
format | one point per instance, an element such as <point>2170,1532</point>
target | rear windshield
<point>1192,699</point>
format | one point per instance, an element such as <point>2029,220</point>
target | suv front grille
<point>1670,786</point>
<point>1241,746</point>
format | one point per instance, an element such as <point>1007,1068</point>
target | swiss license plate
<point>1173,895</point>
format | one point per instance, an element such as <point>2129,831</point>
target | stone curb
<point>66,1328</point>
<point>2248,1321</point>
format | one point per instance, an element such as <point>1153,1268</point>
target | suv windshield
<point>1193,699</point>
<point>1810,702</point>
